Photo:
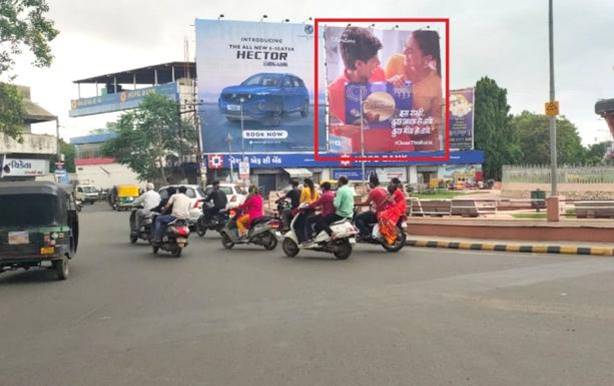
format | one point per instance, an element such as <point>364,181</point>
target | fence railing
<point>565,174</point>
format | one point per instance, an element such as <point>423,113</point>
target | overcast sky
<point>505,40</point>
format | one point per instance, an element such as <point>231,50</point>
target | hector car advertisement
<point>255,81</point>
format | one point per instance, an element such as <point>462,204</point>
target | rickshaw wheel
<point>61,268</point>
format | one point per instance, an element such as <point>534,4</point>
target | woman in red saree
<point>389,217</point>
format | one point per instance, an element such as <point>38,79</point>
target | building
<point>29,158</point>
<point>125,90</point>
<point>93,168</point>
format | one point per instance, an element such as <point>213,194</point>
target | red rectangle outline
<point>391,158</point>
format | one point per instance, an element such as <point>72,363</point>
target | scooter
<point>284,213</point>
<point>214,223</point>
<point>145,232</point>
<point>340,246</point>
<point>263,231</point>
<point>175,238</point>
<point>375,237</point>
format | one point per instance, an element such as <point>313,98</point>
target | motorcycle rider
<point>218,198</point>
<point>377,200</point>
<point>148,200</point>
<point>252,209</point>
<point>326,205</point>
<point>180,204</point>
<point>344,205</point>
<point>294,195</point>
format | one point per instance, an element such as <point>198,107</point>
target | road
<point>251,317</point>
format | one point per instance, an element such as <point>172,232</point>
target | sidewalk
<point>527,246</point>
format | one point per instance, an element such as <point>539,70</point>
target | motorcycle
<point>284,213</point>
<point>375,237</point>
<point>175,238</point>
<point>263,231</point>
<point>214,223</point>
<point>145,232</point>
<point>340,246</point>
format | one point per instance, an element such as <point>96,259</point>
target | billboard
<point>384,90</point>
<point>461,119</point>
<point>123,100</point>
<point>255,81</point>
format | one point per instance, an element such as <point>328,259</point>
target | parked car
<point>194,192</point>
<point>88,194</point>
<point>265,97</point>
<point>236,194</point>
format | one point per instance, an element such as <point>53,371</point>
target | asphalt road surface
<point>251,317</point>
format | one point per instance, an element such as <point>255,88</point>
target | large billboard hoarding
<point>385,89</point>
<point>255,81</point>
<point>461,119</point>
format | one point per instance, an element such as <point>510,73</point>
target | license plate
<point>404,225</point>
<point>47,250</point>
<point>352,240</point>
<point>233,108</point>
<point>16,238</point>
<point>182,240</point>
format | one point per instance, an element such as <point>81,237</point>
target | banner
<point>385,90</point>
<point>23,167</point>
<point>256,83</point>
<point>461,119</point>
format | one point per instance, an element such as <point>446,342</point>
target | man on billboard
<point>358,47</point>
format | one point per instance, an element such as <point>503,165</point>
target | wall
<point>32,144</point>
<point>107,175</point>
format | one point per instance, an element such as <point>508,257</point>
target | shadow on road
<point>33,275</point>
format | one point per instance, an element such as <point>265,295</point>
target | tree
<point>533,133</point>
<point>151,137</point>
<point>22,24</point>
<point>493,133</point>
<point>596,153</point>
<point>12,111</point>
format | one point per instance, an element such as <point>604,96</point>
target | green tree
<point>12,111</point>
<point>533,133</point>
<point>150,137</point>
<point>493,133</point>
<point>595,154</point>
<point>23,24</point>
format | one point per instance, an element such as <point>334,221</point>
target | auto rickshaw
<point>39,226</point>
<point>122,196</point>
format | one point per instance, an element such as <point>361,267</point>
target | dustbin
<point>538,199</point>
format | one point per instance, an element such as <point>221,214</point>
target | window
<point>297,82</point>
<point>287,82</point>
<point>190,193</point>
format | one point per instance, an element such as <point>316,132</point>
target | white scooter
<point>340,246</point>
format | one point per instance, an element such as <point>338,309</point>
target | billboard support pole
<point>229,140</point>
<point>362,137</point>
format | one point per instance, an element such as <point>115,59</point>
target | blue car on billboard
<point>266,98</point>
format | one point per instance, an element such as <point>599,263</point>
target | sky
<point>504,40</point>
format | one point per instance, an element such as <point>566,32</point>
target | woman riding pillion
<point>389,217</point>
<point>309,195</point>
<point>377,200</point>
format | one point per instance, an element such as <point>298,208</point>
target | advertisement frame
<point>383,158</point>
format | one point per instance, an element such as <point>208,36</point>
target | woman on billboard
<point>420,63</point>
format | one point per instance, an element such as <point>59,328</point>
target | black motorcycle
<point>143,233</point>
<point>215,223</point>
<point>175,238</point>
<point>375,236</point>
<point>285,215</point>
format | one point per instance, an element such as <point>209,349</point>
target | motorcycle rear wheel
<point>398,244</point>
<point>269,241</point>
<point>343,250</point>
<point>226,242</point>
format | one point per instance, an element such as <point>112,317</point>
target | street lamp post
<point>362,136</point>
<point>552,123</point>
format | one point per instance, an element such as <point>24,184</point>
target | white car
<point>236,194</point>
<point>194,192</point>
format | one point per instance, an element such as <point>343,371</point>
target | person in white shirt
<point>148,200</point>
<point>180,210</point>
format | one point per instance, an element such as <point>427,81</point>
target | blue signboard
<point>62,176</point>
<point>351,174</point>
<point>272,161</point>
<point>123,100</point>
